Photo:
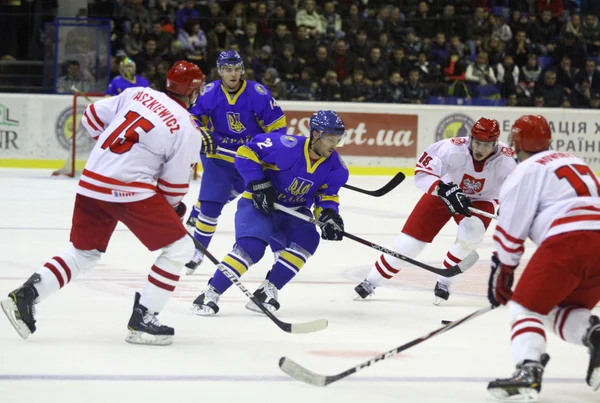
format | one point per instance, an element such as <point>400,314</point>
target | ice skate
<point>19,308</point>
<point>191,223</point>
<point>525,384</point>
<point>206,303</point>
<point>144,327</point>
<point>441,293</point>
<point>592,340</point>
<point>267,294</point>
<point>364,290</point>
<point>193,264</point>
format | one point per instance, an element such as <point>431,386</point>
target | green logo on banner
<point>5,119</point>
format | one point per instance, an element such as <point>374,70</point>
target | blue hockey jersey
<point>120,84</point>
<point>237,118</point>
<point>298,181</point>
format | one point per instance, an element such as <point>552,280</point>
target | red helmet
<point>531,133</point>
<point>184,78</point>
<point>486,130</point>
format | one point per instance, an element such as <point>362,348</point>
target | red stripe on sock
<point>534,320</point>
<point>165,274</point>
<point>388,266</point>
<point>160,284</point>
<point>383,274</point>
<point>64,266</point>
<point>453,258</point>
<point>447,265</point>
<point>564,320</point>
<point>56,273</point>
<point>529,330</point>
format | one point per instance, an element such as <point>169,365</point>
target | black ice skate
<point>19,308</point>
<point>364,290</point>
<point>525,384</point>
<point>592,340</point>
<point>193,264</point>
<point>206,303</point>
<point>441,293</point>
<point>144,327</point>
<point>191,223</point>
<point>267,294</point>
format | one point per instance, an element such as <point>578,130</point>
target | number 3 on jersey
<point>133,120</point>
<point>573,174</point>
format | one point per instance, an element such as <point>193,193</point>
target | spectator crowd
<point>515,52</point>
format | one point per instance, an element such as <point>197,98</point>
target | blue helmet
<point>325,121</point>
<point>230,58</point>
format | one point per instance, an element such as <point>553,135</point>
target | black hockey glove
<point>500,282</point>
<point>209,143</point>
<point>456,201</point>
<point>333,230</point>
<point>263,195</point>
<point>180,210</point>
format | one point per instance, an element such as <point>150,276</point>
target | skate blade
<point>251,306</point>
<point>136,337</point>
<point>9,307</point>
<point>203,310</point>
<point>437,301</point>
<point>514,395</point>
<point>357,296</point>
<point>190,272</point>
<point>594,379</point>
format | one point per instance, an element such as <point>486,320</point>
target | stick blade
<point>300,373</point>
<point>468,262</point>
<point>309,327</point>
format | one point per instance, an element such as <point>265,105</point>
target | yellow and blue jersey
<point>120,84</point>
<point>237,118</point>
<point>286,162</point>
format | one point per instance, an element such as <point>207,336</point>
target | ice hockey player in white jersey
<point>137,174</point>
<point>455,174</point>
<point>552,198</point>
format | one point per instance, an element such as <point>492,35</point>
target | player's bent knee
<point>517,311</point>
<point>408,246</point>
<point>253,249</point>
<point>470,233</point>
<point>179,252</point>
<point>85,259</point>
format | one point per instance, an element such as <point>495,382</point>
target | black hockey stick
<point>387,188</point>
<point>463,266</point>
<point>300,373</point>
<point>295,328</point>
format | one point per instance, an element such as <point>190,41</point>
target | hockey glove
<point>333,230</point>
<point>456,201</point>
<point>180,210</point>
<point>263,195</point>
<point>501,282</point>
<point>209,143</point>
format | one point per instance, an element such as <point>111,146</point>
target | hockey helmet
<point>327,121</point>
<point>531,133</point>
<point>486,130</point>
<point>229,58</point>
<point>127,68</point>
<point>184,78</point>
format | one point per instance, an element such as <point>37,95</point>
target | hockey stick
<point>75,90</point>
<point>300,373</point>
<point>295,328</point>
<point>483,213</point>
<point>463,266</point>
<point>387,188</point>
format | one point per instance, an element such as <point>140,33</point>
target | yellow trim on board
<point>55,164</point>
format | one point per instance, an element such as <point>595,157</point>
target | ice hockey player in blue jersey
<point>294,171</point>
<point>127,79</point>
<point>234,110</point>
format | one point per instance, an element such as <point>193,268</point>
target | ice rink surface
<point>78,353</point>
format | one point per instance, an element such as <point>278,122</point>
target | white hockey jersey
<point>451,161</point>
<point>146,144</point>
<point>547,194</point>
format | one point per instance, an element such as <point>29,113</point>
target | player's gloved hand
<point>263,195</point>
<point>333,230</point>
<point>456,201</point>
<point>209,143</point>
<point>180,209</point>
<point>501,281</point>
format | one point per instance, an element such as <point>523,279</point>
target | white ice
<point>78,353</point>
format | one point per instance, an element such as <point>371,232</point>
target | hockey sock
<point>288,264</point>
<point>195,210</point>
<point>570,323</point>
<point>164,274</point>
<point>456,253</point>
<point>388,266</point>
<point>245,252</point>
<point>527,333</point>
<point>206,223</point>
<point>60,270</point>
